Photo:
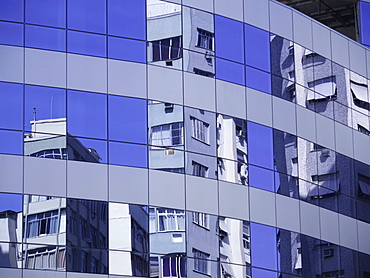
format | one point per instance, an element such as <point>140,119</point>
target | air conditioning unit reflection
<point>169,152</point>
<point>325,153</point>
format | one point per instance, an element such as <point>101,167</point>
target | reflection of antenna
<point>34,117</point>
<point>51,107</point>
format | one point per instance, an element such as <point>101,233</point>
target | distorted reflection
<point>198,34</point>
<point>47,257</point>
<point>167,236</point>
<point>11,230</point>
<point>235,247</point>
<point>128,231</point>
<point>202,244</point>
<point>166,137</point>
<point>289,252</point>
<point>164,33</point>
<point>232,150</point>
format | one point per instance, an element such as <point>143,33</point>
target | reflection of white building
<point>232,149</point>
<point>180,37</point>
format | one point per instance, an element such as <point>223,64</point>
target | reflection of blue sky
<point>260,273</point>
<point>263,246</point>
<point>128,154</point>
<point>260,145</point>
<point>127,119</point>
<point>11,106</point>
<point>11,142</point>
<point>50,103</point>
<point>257,47</point>
<point>10,202</point>
<point>261,178</point>
<point>87,114</point>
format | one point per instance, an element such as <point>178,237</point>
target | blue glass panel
<point>43,103</point>
<point>45,38</point>
<point>12,10</point>
<point>260,145</point>
<point>261,178</point>
<point>11,106</point>
<point>87,15</point>
<point>125,49</point>
<point>127,119</point>
<point>11,33</point>
<point>87,114</point>
<point>127,18</point>
<point>11,142</point>
<point>46,12</point>
<point>257,47</point>
<point>89,150</point>
<point>11,202</point>
<point>128,154</point>
<point>263,246</point>
<point>364,8</point>
<point>261,273</point>
<point>258,80</point>
<point>230,71</point>
<point>88,44</point>
<point>229,43</point>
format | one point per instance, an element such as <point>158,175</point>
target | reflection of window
<point>167,135</point>
<point>200,261</point>
<point>200,130</point>
<point>203,72</point>
<point>205,39</point>
<point>360,94</point>
<point>38,198</point>
<point>328,183</point>
<point>42,224</point>
<point>324,89</point>
<point>364,184</point>
<point>362,129</point>
<point>246,235</point>
<point>201,219</point>
<point>167,49</point>
<point>174,266</point>
<point>199,170</point>
<point>83,228</point>
<point>171,220</point>
<point>46,259</point>
<point>54,153</point>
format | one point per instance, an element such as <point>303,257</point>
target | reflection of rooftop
<point>161,9</point>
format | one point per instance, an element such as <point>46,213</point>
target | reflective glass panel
<point>89,150</point>
<point>45,38</point>
<point>133,264</point>
<point>87,260</point>
<point>11,106</point>
<point>11,142</point>
<point>12,10</point>
<point>46,145</point>
<point>230,71</point>
<point>127,119</point>
<point>11,214</point>
<point>257,47</point>
<point>127,18</point>
<point>260,145</point>
<point>12,33</point>
<point>87,44</point>
<point>289,252</point>
<point>87,15</point>
<point>261,178</point>
<point>50,13</point>
<point>134,155</point>
<point>44,257</point>
<point>201,165</point>
<point>198,63</point>
<point>87,114</point>
<point>229,41</point>
<point>258,80</point>
<point>126,49</point>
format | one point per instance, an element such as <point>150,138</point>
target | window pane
<point>128,154</point>
<point>12,10</point>
<point>257,47</point>
<point>11,106</point>
<point>87,44</point>
<point>230,71</point>
<point>50,13</point>
<point>126,49</point>
<point>90,150</point>
<point>45,38</point>
<point>258,80</point>
<point>11,142</point>
<point>11,33</point>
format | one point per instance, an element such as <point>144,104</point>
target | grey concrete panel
<point>12,61</point>
<point>348,232</point>
<point>46,68</point>
<point>259,107</point>
<point>233,200</point>
<point>363,237</point>
<point>45,176</point>
<point>302,29</point>
<point>165,84</point>
<point>343,139</point>
<point>231,99</point>
<point>87,73</point>
<point>256,13</point>
<point>321,40</point>
<point>325,132</point>
<point>361,147</point>
<point>287,213</point>
<point>306,123</point>
<point>128,184</point>
<point>127,79</point>
<point>87,180</point>
<point>201,195</point>
<point>262,206</point>
<point>339,49</point>
<point>166,189</point>
<point>329,226</point>
<point>310,219</point>
<point>206,5</point>
<point>281,20</point>
<point>284,115</point>
<point>199,92</point>
<point>230,8</point>
<point>357,58</point>
<point>11,173</point>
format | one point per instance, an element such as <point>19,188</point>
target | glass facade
<point>158,138</point>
